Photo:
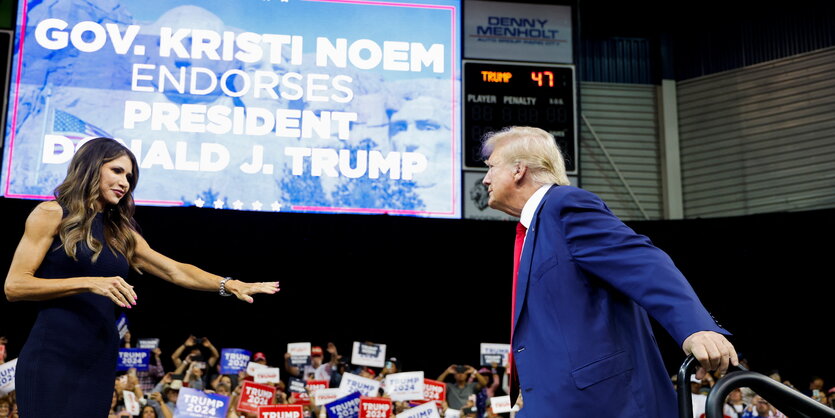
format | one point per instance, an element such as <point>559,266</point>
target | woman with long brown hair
<point>73,259</point>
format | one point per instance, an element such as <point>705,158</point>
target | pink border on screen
<point>297,208</point>
<point>452,115</point>
<point>14,129</point>
<point>14,112</point>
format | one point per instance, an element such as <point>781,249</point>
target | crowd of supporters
<point>468,389</point>
<point>196,365</point>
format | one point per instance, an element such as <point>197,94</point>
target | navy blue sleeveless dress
<point>67,367</point>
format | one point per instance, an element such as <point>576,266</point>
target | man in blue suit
<point>582,342</point>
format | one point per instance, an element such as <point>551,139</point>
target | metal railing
<point>787,400</point>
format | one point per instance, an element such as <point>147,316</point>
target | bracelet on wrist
<point>222,291</point>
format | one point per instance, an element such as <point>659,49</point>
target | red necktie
<point>517,255</point>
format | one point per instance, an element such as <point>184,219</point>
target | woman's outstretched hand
<point>244,290</point>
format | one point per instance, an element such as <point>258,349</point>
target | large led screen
<point>338,106</point>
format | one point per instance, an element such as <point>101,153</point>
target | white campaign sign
<point>452,413</point>
<point>427,410</point>
<point>325,396</point>
<point>352,383</point>
<point>131,404</point>
<point>149,343</point>
<point>299,349</point>
<point>267,375</point>
<point>500,404</point>
<point>492,348</point>
<point>253,366</point>
<point>406,386</point>
<point>299,353</point>
<point>360,359</point>
<point>7,372</point>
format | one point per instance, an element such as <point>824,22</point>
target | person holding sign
<point>148,378</point>
<point>316,370</point>
<point>192,346</point>
<point>73,259</point>
<point>458,393</point>
<point>585,284</point>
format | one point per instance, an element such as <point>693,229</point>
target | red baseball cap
<point>259,356</point>
<point>316,351</point>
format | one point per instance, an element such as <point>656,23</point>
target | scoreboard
<point>501,94</point>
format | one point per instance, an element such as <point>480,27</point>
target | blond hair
<point>534,148</point>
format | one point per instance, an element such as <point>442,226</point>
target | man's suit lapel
<point>526,262</point>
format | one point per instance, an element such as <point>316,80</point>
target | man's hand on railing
<point>712,350</point>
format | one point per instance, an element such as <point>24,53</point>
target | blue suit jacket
<point>582,341</point>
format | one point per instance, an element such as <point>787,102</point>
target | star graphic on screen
<point>218,204</point>
<point>257,205</point>
<point>276,206</point>
<point>199,202</point>
<point>238,205</point>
